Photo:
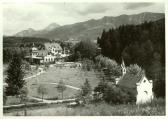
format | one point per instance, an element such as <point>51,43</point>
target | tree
<point>142,44</point>
<point>86,48</point>
<point>101,86</point>
<point>15,75</point>
<point>117,95</point>
<point>159,88</point>
<point>78,56</point>
<point>4,97</point>
<point>134,69</point>
<point>42,91</point>
<point>23,97</point>
<point>61,87</point>
<point>86,88</point>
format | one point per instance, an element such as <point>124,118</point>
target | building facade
<point>53,52</point>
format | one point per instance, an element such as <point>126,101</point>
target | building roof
<point>42,53</point>
<point>130,80</point>
<point>56,45</point>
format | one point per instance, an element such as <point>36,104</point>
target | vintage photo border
<point>78,1</point>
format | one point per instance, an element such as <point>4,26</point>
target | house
<point>33,56</point>
<point>53,52</point>
<point>54,48</point>
<point>138,85</point>
<point>39,56</point>
<point>49,58</point>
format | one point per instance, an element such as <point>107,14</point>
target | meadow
<point>70,76</point>
<point>157,107</point>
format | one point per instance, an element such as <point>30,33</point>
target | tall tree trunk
<point>62,94</point>
<point>42,97</point>
<point>25,110</point>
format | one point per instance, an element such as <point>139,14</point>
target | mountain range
<point>89,29</point>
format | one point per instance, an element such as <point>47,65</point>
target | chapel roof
<point>130,80</point>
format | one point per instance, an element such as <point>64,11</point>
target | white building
<point>54,48</point>
<point>49,58</point>
<point>139,85</point>
<point>144,90</point>
<point>53,52</point>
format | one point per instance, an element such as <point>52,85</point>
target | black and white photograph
<point>84,59</point>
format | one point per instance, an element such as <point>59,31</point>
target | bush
<point>117,95</point>
<point>111,65</point>
<point>87,65</point>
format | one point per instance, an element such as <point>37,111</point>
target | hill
<point>31,32</point>
<point>92,28</point>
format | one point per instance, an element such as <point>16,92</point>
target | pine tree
<point>15,76</point>
<point>86,88</point>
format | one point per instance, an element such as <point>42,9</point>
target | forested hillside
<point>12,41</point>
<point>143,44</point>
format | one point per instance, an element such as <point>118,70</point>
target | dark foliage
<point>118,95</point>
<point>86,49</point>
<point>15,76</point>
<point>9,52</point>
<point>159,88</point>
<point>17,41</point>
<point>86,88</point>
<point>142,44</point>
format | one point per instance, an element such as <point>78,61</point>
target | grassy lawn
<point>52,92</point>
<point>13,100</point>
<point>99,109</point>
<point>70,76</point>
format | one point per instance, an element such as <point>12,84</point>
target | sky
<point>19,16</point>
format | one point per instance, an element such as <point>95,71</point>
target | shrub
<point>117,95</point>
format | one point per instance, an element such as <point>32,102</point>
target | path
<point>52,101</point>
<point>69,86</point>
<point>43,102</point>
<point>33,76</point>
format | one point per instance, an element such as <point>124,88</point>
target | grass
<point>157,107</point>
<point>13,100</point>
<point>51,92</point>
<point>70,76</point>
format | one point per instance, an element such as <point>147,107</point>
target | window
<point>146,92</point>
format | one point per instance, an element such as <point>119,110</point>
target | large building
<point>54,48</point>
<point>53,52</point>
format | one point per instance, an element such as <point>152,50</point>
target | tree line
<point>142,44</point>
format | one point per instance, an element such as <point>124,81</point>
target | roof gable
<point>42,53</point>
<point>55,45</point>
<point>130,80</point>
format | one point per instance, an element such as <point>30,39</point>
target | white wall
<point>144,91</point>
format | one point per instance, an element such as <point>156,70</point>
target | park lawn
<point>98,109</point>
<point>52,92</point>
<point>14,100</point>
<point>70,76</point>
